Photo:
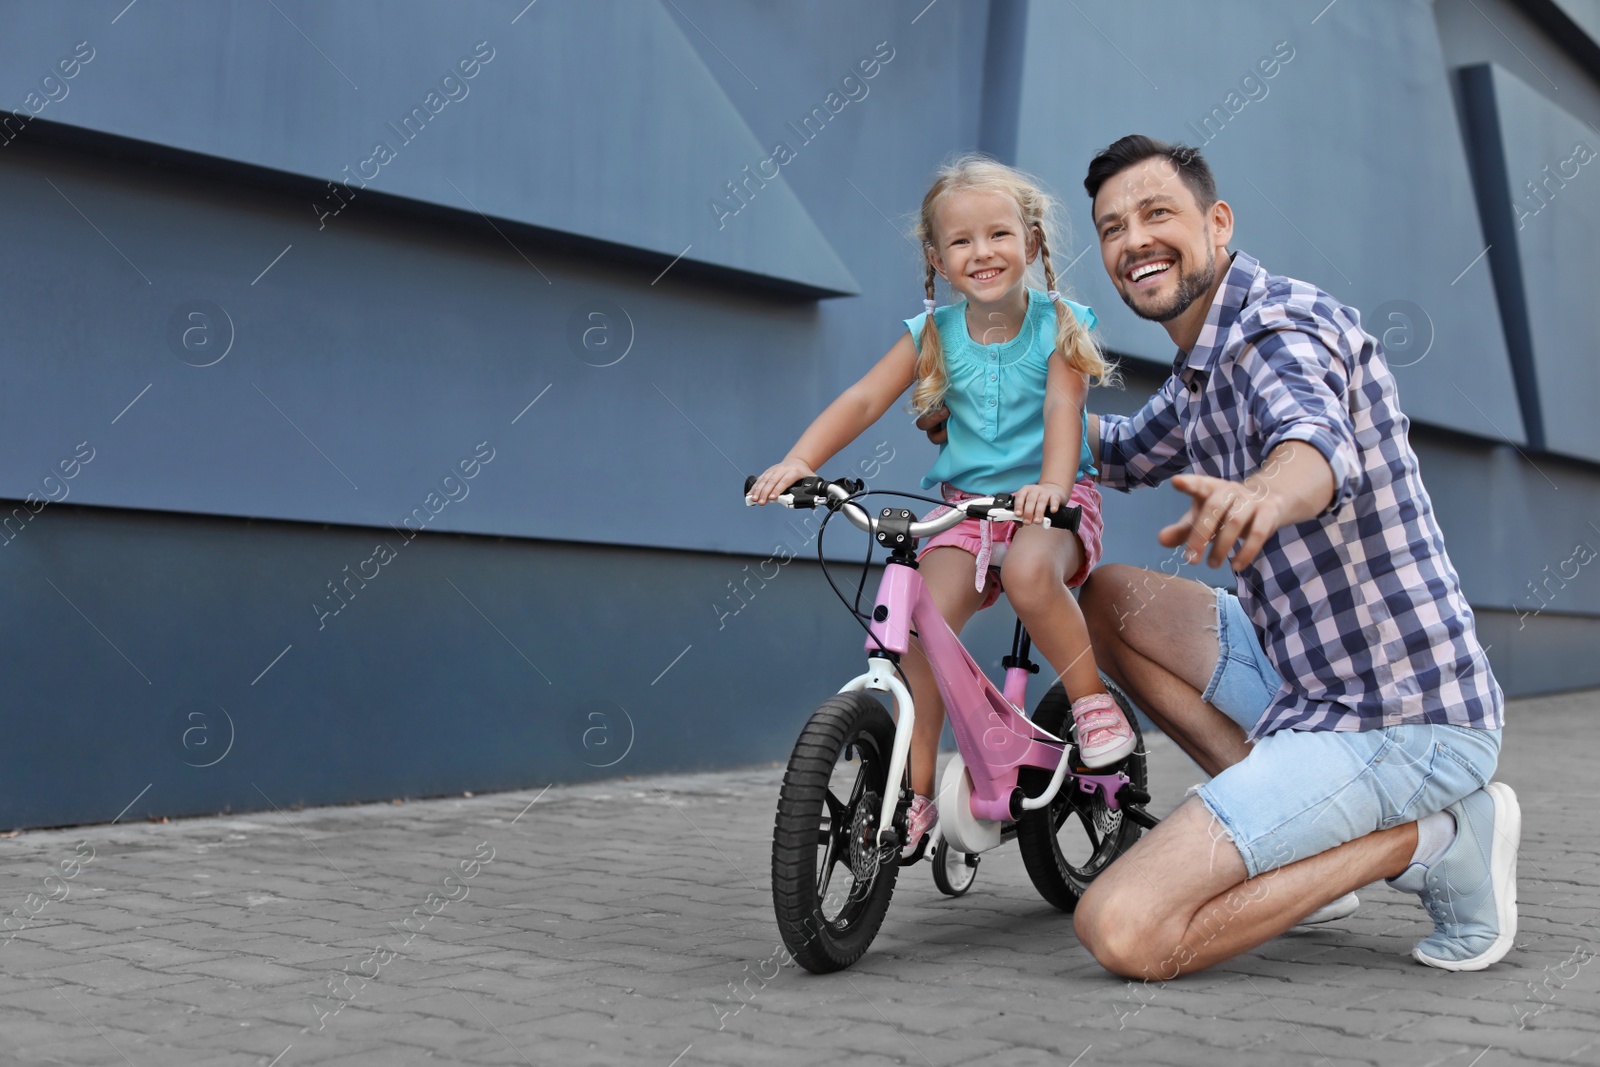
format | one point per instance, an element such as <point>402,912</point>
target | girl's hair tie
<point>928,306</point>
<point>1054,295</point>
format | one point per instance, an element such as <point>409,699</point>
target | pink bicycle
<point>840,829</point>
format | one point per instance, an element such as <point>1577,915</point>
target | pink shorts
<point>968,536</point>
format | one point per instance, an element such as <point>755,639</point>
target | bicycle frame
<point>994,737</point>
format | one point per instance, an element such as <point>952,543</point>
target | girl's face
<point>980,245</point>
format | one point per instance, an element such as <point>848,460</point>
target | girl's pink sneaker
<point>1104,736</point>
<point>920,818</point>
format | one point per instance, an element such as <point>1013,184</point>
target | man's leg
<point>1156,637</point>
<point>1161,639</point>
<point>1179,900</point>
<point>1303,812</point>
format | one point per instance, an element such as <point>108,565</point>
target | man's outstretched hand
<point>1222,514</point>
<point>1293,485</point>
<point>934,425</point>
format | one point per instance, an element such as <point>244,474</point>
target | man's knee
<point>1118,937</point>
<point>1108,596</point>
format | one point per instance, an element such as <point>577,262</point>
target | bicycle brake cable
<point>823,562</point>
<point>855,610</point>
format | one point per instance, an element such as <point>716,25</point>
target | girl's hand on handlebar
<point>777,478</point>
<point>1032,501</point>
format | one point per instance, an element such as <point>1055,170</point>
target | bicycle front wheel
<point>1064,846</point>
<point>831,883</point>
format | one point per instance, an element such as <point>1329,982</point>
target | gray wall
<point>268,389</point>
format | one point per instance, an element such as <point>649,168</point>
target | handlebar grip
<point>811,491</point>
<point>1066,517</point>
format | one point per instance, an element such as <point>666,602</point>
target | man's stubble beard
<point>1191,287</point>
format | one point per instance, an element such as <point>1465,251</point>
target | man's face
<point>1157,244</point>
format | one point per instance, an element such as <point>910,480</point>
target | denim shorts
<point>1301,792</point>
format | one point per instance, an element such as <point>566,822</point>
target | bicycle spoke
<point>838,811</point>
<point>839,818</point>
<point>860,786</point>
<point>1089,828</point>
<point>830,860</point>
<point>1076,803</point>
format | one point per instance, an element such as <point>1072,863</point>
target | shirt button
<point>991,401</point>
<point>992,377</point>
<point>1194,387</point>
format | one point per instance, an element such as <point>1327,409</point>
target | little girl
<point>1013,367</point>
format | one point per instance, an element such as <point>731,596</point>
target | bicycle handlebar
<point>834,495</point>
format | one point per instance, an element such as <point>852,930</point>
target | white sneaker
<point>1332,911</point>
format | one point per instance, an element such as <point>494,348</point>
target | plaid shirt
<point>1359,608</point>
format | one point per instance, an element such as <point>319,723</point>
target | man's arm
<point>1145,448</point>
<point>1297,399</point>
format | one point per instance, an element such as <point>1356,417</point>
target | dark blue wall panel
<point>469,663</point>
<point>1344,168</point>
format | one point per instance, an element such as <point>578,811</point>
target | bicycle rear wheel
<point>831,883</point>
<point>1064,846</point>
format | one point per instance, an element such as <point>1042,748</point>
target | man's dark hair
<point>1136,148</point>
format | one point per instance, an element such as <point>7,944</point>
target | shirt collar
<point>1224,312</point>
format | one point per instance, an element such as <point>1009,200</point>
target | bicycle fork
<point>880,678</point>
<point>889,638</point>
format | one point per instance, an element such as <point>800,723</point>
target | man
<point>1341,700</point>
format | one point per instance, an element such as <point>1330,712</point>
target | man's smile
<point>1146,273</point>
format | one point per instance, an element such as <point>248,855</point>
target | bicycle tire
<point>1058,878</point>
<point>815,829</point>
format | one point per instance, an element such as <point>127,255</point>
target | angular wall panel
<point>1586,13</point>
<point>1344,168</point>
<point>1539,174</point>
<point>596,118</point>
<point>348,379</point>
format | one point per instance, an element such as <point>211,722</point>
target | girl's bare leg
<point>948,574</point>
<point>1035,572</point>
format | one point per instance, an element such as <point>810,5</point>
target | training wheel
<point>953,871</point>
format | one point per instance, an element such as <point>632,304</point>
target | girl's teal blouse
<point>996,399</point>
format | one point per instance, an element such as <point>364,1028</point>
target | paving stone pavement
<point>630,922</point>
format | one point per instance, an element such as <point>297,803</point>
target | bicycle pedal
<point>918,853</point>
<point>1140,817</point>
